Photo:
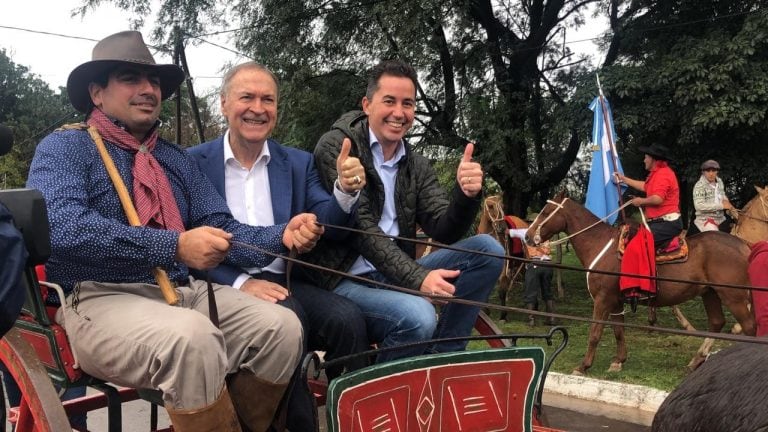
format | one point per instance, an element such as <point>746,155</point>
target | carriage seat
<point>36,322</point>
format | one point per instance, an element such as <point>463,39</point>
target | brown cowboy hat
<point>656,151</point>
<point>122,48</point>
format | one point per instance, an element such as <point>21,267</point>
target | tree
<point>31,109</point>
<point>687,73</point>
<point>494,72</point>
<point>693,74</point>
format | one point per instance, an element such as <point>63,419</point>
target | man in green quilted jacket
<point>402,192</point>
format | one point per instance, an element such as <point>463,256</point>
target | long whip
<point>130,212</point>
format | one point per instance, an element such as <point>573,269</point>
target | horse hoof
<point>736,329</point>
<point>615,367</point>
<point>577,372</point>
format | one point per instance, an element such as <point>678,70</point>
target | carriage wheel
<point>40,409</point>
<point>485,326</point>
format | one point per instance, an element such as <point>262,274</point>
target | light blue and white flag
<point>602,193</point>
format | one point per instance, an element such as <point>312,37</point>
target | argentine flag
<point>602,193</point>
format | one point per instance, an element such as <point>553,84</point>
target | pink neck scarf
<point>152,193</point>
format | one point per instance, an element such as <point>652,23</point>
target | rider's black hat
<point>656,151</point>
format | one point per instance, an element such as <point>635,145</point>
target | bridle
<point>763,205</point>
<point>496,216</point>
<point>537,233</point>
<point>560,205</point>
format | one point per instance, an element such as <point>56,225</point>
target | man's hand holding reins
<point>203,248</point>
<point>302,232</point>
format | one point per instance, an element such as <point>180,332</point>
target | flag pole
<point>607,130</point>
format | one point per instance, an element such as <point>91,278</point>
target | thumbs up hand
<point>469,174</point>
<point>349,169</point>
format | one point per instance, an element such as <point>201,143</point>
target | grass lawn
<point>654,359</point>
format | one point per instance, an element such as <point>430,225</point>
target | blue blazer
<point>294,185</point>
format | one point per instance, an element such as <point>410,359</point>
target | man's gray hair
<point>227,80</point>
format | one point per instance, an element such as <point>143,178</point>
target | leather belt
<point>669,217</point>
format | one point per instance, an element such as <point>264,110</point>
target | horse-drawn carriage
<point>497,389</point>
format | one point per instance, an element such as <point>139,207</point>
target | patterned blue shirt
<point>90,235</point>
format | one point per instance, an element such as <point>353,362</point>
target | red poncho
<point>639,258</point>
<point>758,276</point>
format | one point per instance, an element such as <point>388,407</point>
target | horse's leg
<point>652,316</point>
<point>682,319</point>
<point>701,354</point>
<point>599,312</point>
<point>621,346</point>
<point>741,309</point>
<point>716,319</point>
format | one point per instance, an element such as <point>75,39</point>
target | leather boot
<point>218,416</point>
<point>531,320</point>
<point>258,402</point>
<point>551,309</point>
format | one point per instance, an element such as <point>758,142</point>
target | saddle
<point>516,246</point>
<point>675,252</point>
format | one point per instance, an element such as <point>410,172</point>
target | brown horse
<point>752,224</point>
<point>714,257</point>
<point>492,222</point>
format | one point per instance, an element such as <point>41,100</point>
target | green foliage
<point>489,71</point>
<point>693,75</point>
<point>31,109</point>
<point>309,104</point>
<point>212,123</point>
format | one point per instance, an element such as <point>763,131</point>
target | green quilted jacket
<point>420,201</point>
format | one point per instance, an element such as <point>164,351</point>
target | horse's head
<point>550,221</point>
<point>492,217</point>
<point>752,223</point>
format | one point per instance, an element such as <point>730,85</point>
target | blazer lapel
<point>214,165</point>
<point>280,184</point>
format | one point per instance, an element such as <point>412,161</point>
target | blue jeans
<point>394,318</point>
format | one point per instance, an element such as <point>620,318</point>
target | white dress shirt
<point>249,198</point>
<point>387,171</point>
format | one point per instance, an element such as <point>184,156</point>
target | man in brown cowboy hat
<point>662,195</point>
<point>121,328</point>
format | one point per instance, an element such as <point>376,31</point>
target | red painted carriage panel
<point>483,395</point>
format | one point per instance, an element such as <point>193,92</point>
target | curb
<point>626,402</point>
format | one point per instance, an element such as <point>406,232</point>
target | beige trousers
<point>128,335</point>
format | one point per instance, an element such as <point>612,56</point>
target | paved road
<point>572,421</point>
<point>136,419</point>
